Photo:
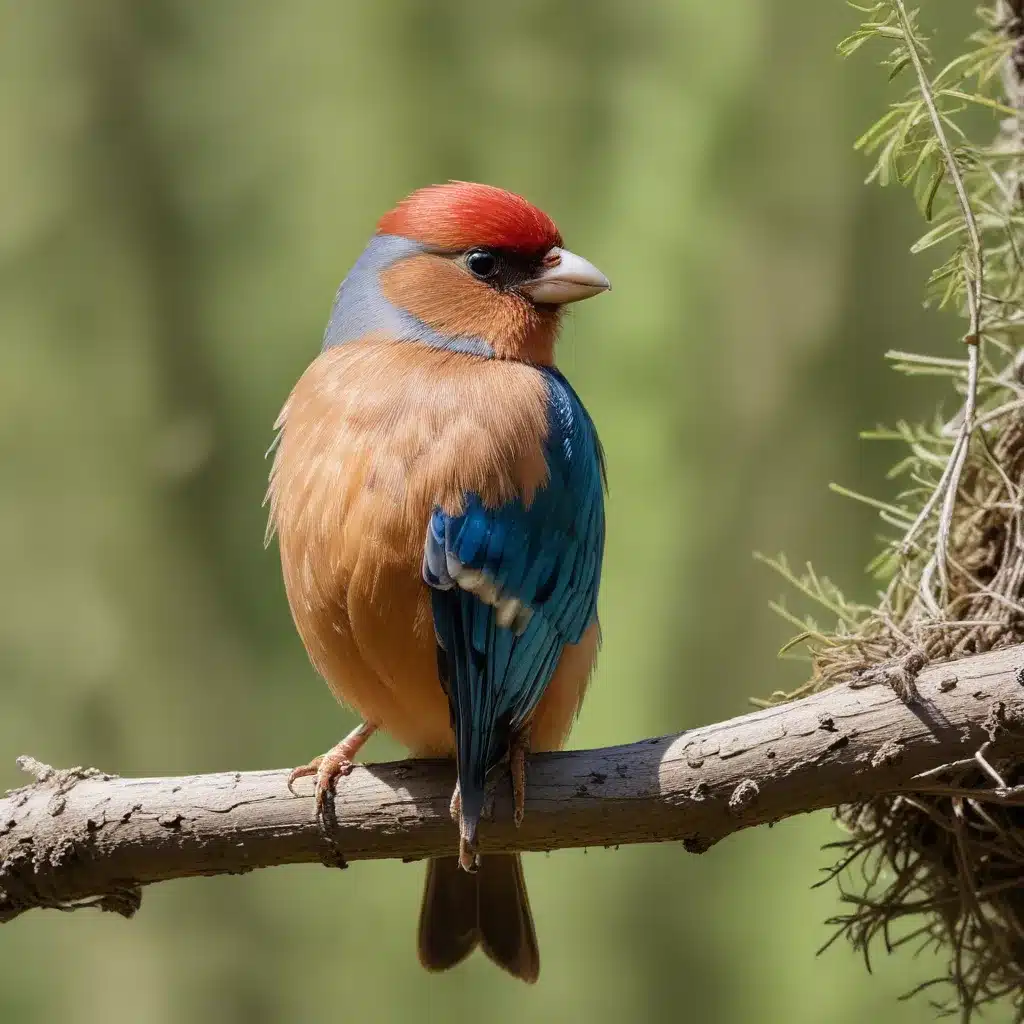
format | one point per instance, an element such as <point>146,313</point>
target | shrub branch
<point>83,838</point>
<point>938,864</point>
<point>974,276</point>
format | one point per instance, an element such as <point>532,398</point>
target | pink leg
<point>467,853</point>
<point>337,762</point>
<point>518,750</point>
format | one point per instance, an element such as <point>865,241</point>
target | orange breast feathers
<point>376,434</point>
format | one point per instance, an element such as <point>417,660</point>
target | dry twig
<point>78,838</point>
<point>949,483</point>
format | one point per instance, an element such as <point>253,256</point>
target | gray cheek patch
<point>360,307</point>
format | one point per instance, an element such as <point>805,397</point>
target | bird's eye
<point>481,263</point>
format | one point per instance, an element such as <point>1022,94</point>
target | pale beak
<point>565,277</point>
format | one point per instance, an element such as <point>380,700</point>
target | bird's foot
<point>517,767</point>
<point>468,859</point>
<point>467,846</point>
<point>335,764</point>
<point>486,814</point>
<point>327,768</point>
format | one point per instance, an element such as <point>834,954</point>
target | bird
<point>437,492</point>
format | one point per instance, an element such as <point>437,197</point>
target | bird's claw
<point>335,764</point>
<point>486,812</point>
<point>467,848</point>
<point>468,859</point>
<point>517,765</point>
<point>327,768</point>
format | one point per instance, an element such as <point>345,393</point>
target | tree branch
<point>81,837</point>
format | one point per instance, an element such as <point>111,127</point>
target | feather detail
<point>375,436</point>
<point>460,214</point>
<point>440,295</point>
<point>514,585</point>
<point>434,409</point>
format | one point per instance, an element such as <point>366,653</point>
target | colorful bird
<point>438,497</point>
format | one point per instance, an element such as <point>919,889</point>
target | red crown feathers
<point>462,214</point>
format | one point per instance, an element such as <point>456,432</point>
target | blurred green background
<point>182,186</point>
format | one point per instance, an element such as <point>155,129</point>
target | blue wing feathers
<point>545,558</point>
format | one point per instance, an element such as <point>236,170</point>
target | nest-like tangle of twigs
<point>944,866</point>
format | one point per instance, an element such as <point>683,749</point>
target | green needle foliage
<point>944,866</point>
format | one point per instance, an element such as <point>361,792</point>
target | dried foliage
<point>944,866</point>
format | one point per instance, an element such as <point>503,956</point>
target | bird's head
<point>466,267</point>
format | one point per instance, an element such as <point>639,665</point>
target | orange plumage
<point>383,429</point>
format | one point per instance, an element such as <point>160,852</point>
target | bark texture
<point>82,837</point>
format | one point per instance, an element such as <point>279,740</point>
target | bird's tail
<point>489,908</point>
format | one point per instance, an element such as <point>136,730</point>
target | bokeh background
<point>182,186</point>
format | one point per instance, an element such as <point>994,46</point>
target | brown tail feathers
<point>488,908</point>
